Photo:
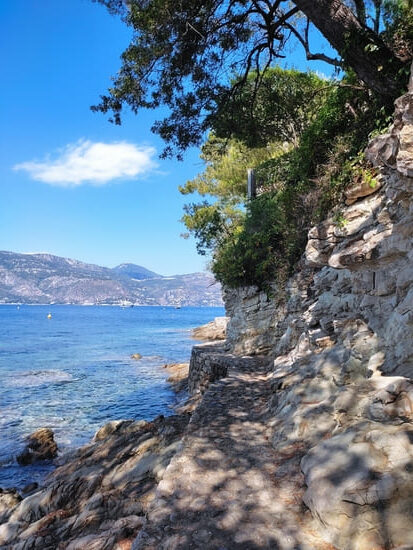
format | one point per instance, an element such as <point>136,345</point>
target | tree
<point>254,242</point>
<point>279,107</point>
<point>285,106</point>
<point>184,53</point>
<point>222,185</point>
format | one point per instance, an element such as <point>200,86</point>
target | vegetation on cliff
<point>302,134</point>
<point>297,184</point>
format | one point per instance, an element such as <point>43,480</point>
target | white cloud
<point>93,163</point>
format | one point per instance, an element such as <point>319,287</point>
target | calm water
<point>73,372</point>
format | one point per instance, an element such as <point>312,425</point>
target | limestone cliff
<point>341,333</point>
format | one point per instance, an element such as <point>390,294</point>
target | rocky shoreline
<point>99,494</point>
<point>299,430</point>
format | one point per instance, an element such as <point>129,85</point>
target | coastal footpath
<point>304,435</point>
<point>299,430</point>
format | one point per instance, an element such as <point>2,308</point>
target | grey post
<point>251,185</point>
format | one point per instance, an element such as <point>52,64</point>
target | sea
<point>69,368</point>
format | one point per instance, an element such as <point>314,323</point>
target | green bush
<point>265,247</point>
<point>299,187</point>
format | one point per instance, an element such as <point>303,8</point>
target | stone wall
<point>208,363</point>
<point>212,361</point>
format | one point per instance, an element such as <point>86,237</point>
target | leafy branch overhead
<point>194,57</point>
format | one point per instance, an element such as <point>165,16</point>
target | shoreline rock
<point>40,446</point>
<point>98,496</point>
<point>214,330</point>
<point>178,376</point>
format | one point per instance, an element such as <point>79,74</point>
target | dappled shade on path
<point>227,488</point>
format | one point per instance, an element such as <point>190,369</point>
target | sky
<point>71,183</point>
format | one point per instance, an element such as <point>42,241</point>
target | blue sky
<point>57,57</point>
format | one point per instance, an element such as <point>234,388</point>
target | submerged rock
<point>40,446</point>
<point>136,356</point>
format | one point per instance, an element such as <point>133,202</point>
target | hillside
<point>46,279</point>
<point>135,271</point>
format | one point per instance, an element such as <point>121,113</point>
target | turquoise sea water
<point>73,372</point>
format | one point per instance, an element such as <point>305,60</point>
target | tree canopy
<point>195,57</point>
<point>299,180</point>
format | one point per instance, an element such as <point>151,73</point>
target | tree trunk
<point>360,47</point>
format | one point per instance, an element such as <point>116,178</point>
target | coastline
<point>99,494</point>
<point>106,485</point>
<point>74,373</point>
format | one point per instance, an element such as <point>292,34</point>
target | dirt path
<point>227,489</point>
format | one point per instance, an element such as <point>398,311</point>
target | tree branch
<point>361,11</point>
<point>312,56</point>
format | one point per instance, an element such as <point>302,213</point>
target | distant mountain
<point>48,279</point>
<point>135,271</point>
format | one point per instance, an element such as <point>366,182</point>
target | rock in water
<point>215,330</point>
<point>136,356</point>
<point>40,446</point>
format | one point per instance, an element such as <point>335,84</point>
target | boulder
<point>215,330</point>
<point>40,446</point>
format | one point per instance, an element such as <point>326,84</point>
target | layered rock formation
<point>99,497</point>
<point>341,332</point>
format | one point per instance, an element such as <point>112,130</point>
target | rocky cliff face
<point>341,332</point>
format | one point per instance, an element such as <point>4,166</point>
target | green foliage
<point>299,186</point>
<point>279,105</point>
<point>212,224</point>
<point>398,33</point>
<point>303,135</point>
<point>224,181</point>
<point>218,223</point>
<point>182,56</point>
<point>248,257</point>
<point>226,163</point>
<point>266,246</point>
<point>339,219</point>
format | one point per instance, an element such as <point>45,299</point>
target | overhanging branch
<point>312,56</point>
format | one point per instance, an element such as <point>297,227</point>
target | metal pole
<point>251,185</point>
